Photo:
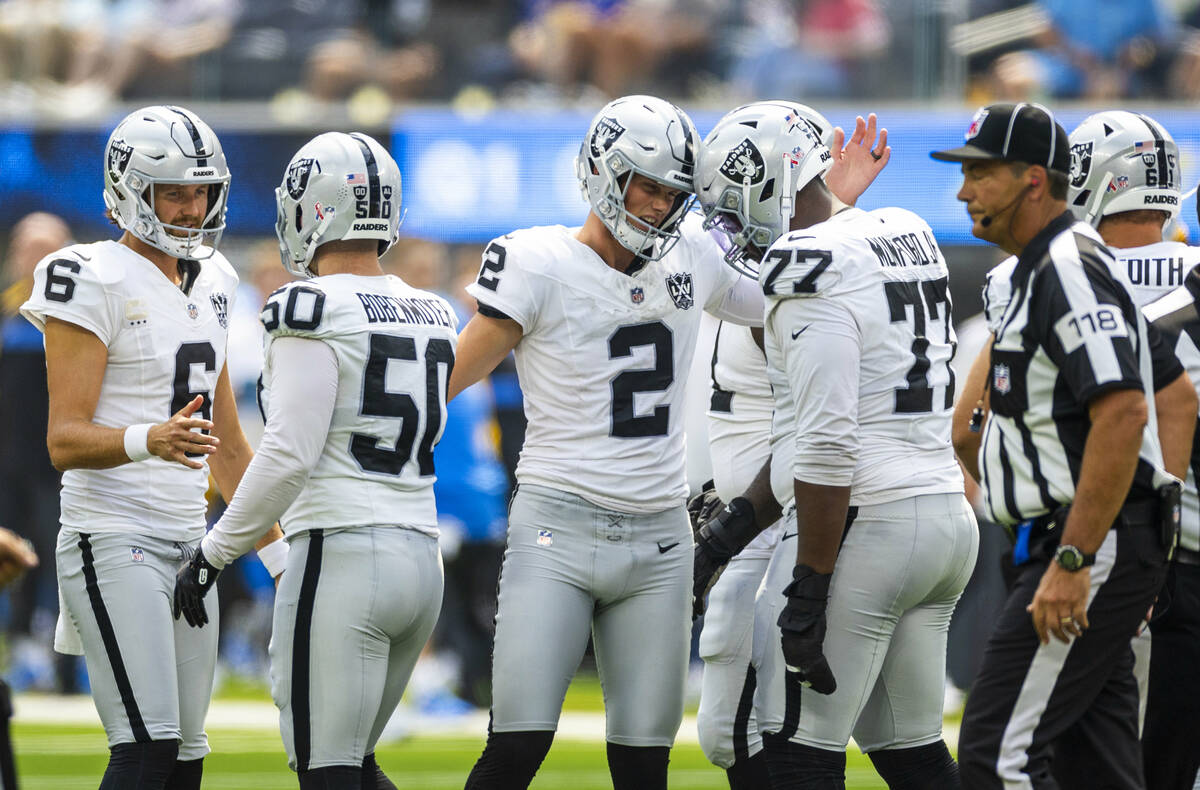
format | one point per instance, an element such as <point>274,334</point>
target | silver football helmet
<point>1122,161</point>
<point>752,164</point>
<point>165,145</point>
<point>645,135</point>
<point>337,186</point>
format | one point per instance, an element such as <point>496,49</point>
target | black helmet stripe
<point>197,141</point>
<point>1160,151</point>
<point>372,177</point>
<point>688,153</point>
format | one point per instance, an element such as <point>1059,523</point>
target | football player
<point>858,342</point>
<point>1125,182</point>
<point>603,319</point>
<point>357,365</point>
<point>739,430</point>
<point>141,409</point>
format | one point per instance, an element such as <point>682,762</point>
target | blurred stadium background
<point>483,105</point>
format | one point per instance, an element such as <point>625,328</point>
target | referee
<point>1071,465</point>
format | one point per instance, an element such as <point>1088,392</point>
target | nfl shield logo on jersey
<point>220,304</point>
<point>637,295</point>
<point>545,537</point>
<point>1002,379</point>
<point>679,286</point>
<point>137,554</point>
<point>193,311</point>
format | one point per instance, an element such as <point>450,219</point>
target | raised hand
<point>174,439</point>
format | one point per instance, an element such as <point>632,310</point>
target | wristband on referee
<point>274,557</point>
<point>136,441</point>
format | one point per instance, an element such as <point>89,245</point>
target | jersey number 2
<point>630,382</point>
<point>917,397</point>
<point>378,402</point>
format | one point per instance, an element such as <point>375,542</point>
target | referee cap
<point>1014,133</point>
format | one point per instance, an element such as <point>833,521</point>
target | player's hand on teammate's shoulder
<point>858,162</point>
<point>180,436</point>
<point>16,556</point>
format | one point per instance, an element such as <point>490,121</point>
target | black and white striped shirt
<point>1069,333</point>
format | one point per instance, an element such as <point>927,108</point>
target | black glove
<point>802,622</point>
<point>717,540</point>
<point>194,579</point>
<point>701,507</point>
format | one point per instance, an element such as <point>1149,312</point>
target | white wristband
<point>274,557</point>
<point>136,437</point>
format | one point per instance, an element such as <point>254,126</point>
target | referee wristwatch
<point>1071,559</point>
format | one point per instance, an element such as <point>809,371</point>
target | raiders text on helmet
<point>338,186</point>
<point>165,145</point>
<point>751,166</point>
<point>644,135</point>
<point>1122,161</point>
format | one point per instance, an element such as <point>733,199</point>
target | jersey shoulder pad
<point>530,250</point>
<point>427,307</point>
<point>299,309</point>
<point>227,275</point>
<point>77,284</point>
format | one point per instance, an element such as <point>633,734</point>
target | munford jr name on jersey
<point>905,249</point>
<point>382,308</point>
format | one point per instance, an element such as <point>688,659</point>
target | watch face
<point>1069,557</point>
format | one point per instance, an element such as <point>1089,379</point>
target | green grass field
<point>73,758</point>
<point>62,757</point>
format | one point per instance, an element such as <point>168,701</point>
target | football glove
<point>802,622</point>
<point>717,540</point>
<point>701,507</point>
<point>192,582</point>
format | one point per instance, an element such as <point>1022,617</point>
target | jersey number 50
<point>378,402</point>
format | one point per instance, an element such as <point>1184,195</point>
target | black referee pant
<point>1171,735</point>
<point>1027,694</point>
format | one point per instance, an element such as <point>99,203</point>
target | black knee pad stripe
<point>108,635</point>
<point>638,767</point>
<point>741,719</point>
<point>510,759</point>
<point>301,651</point>
<point>331,777</point>
<point>928,767</point>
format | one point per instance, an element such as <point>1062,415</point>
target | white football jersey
<point>395,348</point>
<point>877,281</point>
<point>165,346</point>
<point>739,422</point>
<point>603,359</point>
<point>1156,269</point>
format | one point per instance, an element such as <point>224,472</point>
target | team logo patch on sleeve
<point>545,537</point>
<point>1081,163</point>
<point>220,305</point>
<point>744,163</point>
<point>297,177</point>
<point>679,286</point>
<point>607,132</point>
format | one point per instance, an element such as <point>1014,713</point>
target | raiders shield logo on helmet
<point>743,164</point>
<point>297,177</point>
<point>1081,163</point>
<point>118,159</point>
<point>679,286</point>
<point>607,132</point>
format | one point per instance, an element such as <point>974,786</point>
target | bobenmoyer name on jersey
<point>382,308</point>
